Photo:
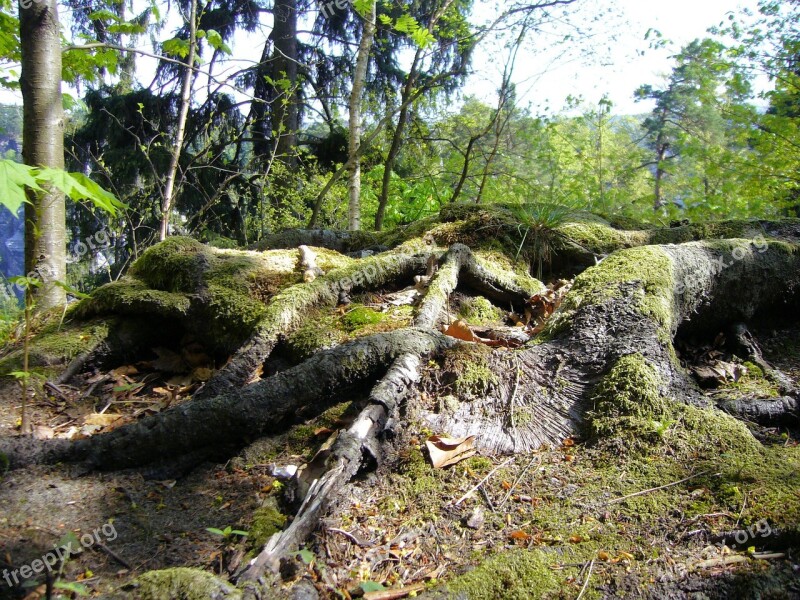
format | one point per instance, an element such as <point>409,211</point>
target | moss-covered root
<point>289,308</point>
<point>496,282</point>
<point>180,584</point>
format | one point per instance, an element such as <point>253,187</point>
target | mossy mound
<point>218,294</point>
<point>54,344</point>
<point>184,584</point>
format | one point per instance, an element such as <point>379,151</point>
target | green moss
<point>469,364</point>
<point>174,265</point>
<point>318,333</point>
<point>479,311</point>
<point>183,584</point>
<point>628,398</point>
<point>361,316</point>
<point>57,344</point>
<point>132,296</point>
<point>267,521</point>
<point>599,238</point>
<point>648,266</point>
<point>512,575</point>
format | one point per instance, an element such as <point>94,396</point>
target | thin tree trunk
<point>186,98</point>
<point>359,78</point>
<point>285,112</point>
<point>397,141</point>
<point>43,145</point>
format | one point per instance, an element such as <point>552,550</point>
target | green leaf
<point>79,187</point>
<point>215,531</point>
<point>372,586</point>
<point>24,281</point>
<point>70,542</point>
<point>75,588</point>
<point>216,41</point>
<point>306,556</point>
<point>71,290</point>
<point>14,178</point>
<point>176,47</point>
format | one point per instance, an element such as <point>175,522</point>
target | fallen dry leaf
<point>461,331</point>
<point>448,451</point>
<point>101,420</point>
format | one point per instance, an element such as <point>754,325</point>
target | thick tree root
<point>289,308</point>
<point>769,412</point>
<point>268,406</point>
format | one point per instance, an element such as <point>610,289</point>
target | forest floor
<point>603,527</point>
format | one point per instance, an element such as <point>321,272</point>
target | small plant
<point>228,534</point>
<point>27,284</point>
<point>538,222</point>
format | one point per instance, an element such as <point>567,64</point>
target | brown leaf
<point>520,536</point>
<point>461,331</point>
<point>448,451</point>
<point>125,370</point>
<point>101,420</point>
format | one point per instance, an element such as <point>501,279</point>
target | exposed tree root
<point>631,304</point>
<point>289,308</point>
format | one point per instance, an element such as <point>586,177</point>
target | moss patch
<point>56,344</point>
<point>468,365</point>
<point>479,311</point>
<point>513,575</point>
<point>359,317</point>
<point>267,521</point>
<point>319,332</point>
<point>182,584</point>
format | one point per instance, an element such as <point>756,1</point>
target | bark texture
<point>43,146</point>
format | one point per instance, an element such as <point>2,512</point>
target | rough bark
<point>43,146</point>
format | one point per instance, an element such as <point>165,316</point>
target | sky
<point>608,54</point>
<point>611,58</point>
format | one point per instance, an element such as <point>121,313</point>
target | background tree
<point>43,146</point>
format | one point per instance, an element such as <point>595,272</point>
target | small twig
<point>488,500</point>
<point>482,481</point>
<point>744,505</point>
<point>516,483</point>
<point>352,538</point>
<point>661,487</point>
<point>113,555</point>
<point>586,581</point>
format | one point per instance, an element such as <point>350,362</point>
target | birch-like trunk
<point>43,145</point>
<point>186,98</point>
<point>354,159</point>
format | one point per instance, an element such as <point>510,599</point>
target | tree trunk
<point>43,145</point>
<point>186,99</point>
<point>356,96</point>
<point>285,106</point>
